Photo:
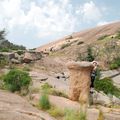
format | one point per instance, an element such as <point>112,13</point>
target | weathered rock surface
<point>116,81</point>
<point>41,78</point>
<point>13,107</point>
<point>80,80</point>
<point>109,73</point>
<point>64,103</point>
<point>92,113</point>
<point>101,98</point>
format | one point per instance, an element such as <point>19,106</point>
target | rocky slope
<point>13,107</point>
<point>101,39</point>
<point>87,36</point>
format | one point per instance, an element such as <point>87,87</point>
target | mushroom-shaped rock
<point>80,80</point>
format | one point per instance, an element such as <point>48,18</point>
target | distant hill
<point>6,46</point>
<point>104,42</point>
<point>88,36</point>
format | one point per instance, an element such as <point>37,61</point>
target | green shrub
<point>90,56</point>
<point>113,66</point>
<point>46,86</point>
<point>56,112</point>
<point>19,52</point>
<point>44,101</point>
<point>106,85</point>
<point>4,50</point>
<point>115,63</point>
<point>3,63</point>
<point>16,79</point>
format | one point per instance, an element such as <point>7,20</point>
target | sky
<point>33,23</point>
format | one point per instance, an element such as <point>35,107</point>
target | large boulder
<point>101,98</point>
<point>116,80</point>
<point>27,57</point>
<point>80,80</point>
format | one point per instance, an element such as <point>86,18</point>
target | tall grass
<point>44,102</point>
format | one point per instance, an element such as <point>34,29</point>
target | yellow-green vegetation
<point>74,115</point>
<point>56,112</point>
<point>1,81</point>
<point>67,114</point>
<point>115,106</point>
<point>26,68</point>
<point>16,80</point>
<point>106,85</point>
<point>115,63</point>
<point>20,52</point>
<point>65,45</point>
<point>100,117</point>
<point>3,61</point>
<point>53,54</point>
<point>118,35</point>
<point>103,37</point>
<point>44,103</point>
<point>58,93</point>
<point>50,90</point>
<point>89,56</point>
<point>33,90</point>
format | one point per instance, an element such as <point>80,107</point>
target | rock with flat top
<point>80,80</point>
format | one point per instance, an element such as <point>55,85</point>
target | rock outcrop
<point>13,107</point>
<point>31,56</point>
<point>80,80</point>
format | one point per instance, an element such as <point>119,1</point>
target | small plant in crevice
<point>44,102</point>
<point>56,112</point>
<point>100,117</point>
<point>74,115</point>
<point>52,91</point>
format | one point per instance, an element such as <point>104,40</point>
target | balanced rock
<point>80,80</point>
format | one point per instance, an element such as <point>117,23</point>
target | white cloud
<point>50,17</point>
<point>90,12</point>
<point>45,17</point>
<point>102,23</point>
